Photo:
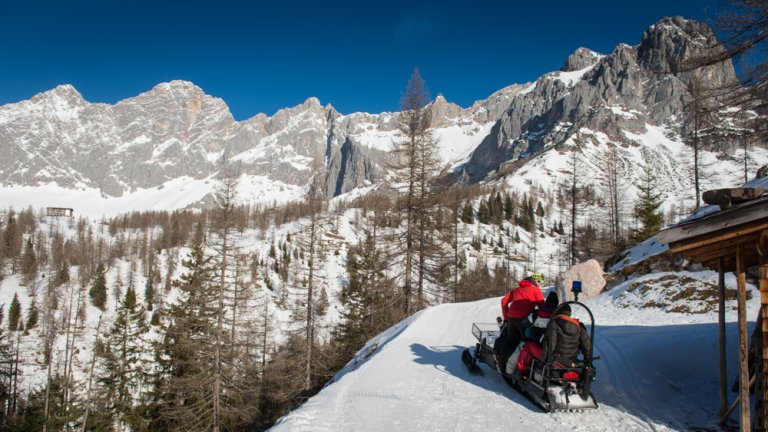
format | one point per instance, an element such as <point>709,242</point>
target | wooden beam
<point>741,280</point>
<point>733,405</point>
<point>761,390</point>
<point>721,325</point>
<point>718,237</point>
<point>714,257</point>
<point>724,246</point>
<point>749,258</point>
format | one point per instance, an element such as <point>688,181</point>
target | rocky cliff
<point>175,130</point>
<point>623,91</point>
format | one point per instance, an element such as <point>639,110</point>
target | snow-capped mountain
<point>165,144</point>
<point>617,94</point>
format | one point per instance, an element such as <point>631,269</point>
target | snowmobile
<point>552,388</point>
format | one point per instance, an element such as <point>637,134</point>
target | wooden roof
<point>719,234</point>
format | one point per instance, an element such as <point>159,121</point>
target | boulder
<point>590,273</point>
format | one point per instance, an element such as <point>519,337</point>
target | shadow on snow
<point>665,375</point>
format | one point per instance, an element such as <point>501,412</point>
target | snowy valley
<point>268,254</point>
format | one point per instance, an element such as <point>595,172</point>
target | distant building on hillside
<point>59,212</point>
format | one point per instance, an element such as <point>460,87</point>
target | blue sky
<point>261,56</point>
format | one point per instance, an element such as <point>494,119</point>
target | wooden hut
<point>59,212</point>
<point>732,236</point>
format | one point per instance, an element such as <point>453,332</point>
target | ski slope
<point>658,372</point>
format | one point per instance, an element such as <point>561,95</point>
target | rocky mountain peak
<point>177,86</point>
<point>580,59</point>
<point>64,95</point>
<point>443,112</point>
<point>666,45</point>
<point>180,100</point>
<point>174,91</point>
<point>312,103</point>
<point>176,129</point>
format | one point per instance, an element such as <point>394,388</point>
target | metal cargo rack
<point>487,331</point>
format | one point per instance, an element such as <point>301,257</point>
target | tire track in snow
<point>621,388</point>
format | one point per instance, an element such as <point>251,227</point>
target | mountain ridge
<point>176,130</point>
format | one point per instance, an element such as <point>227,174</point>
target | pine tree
<point>149,292</point>
<point>6,370</point>
<point>649,201</point>
<point>98,291</point>
<point>366,311</point>
<point>33,316</point>
<point>46,408</point>
<point>509,207</point>
<point>183,389</point>
<point>12,241</point>
<point>14,313</point>
<point>126,364</point>
<point>468,213</point>
<point>484,213</point>
<point>322,303</point>
<point>526,217</point>
<point>29,262</point>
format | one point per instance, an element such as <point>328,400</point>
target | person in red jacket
<point>520,302</point>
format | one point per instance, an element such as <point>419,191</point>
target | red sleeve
<point>504,305</point>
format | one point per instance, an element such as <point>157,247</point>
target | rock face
<point>590,273</point>
<point>580,59</point>
<point>613,94</point>
<point>175,130</point>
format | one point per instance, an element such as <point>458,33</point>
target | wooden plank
<point>721,325</point>
<point>752,212</point>
<point>721,235</point>
<point>733,406</point>
<point>750,258</point>
<point>741,279</point>
<point>761,390</point>
<point>715,251</point>
<point>722,246</point>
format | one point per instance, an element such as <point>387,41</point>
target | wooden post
<point>721,324</point>
<point>741,279</point>
<point>761,387</point>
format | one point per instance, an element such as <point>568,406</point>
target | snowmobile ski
<point>471,362</point>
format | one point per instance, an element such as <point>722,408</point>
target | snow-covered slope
<point>658,371</point>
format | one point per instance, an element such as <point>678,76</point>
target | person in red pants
<point>532,348</point>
